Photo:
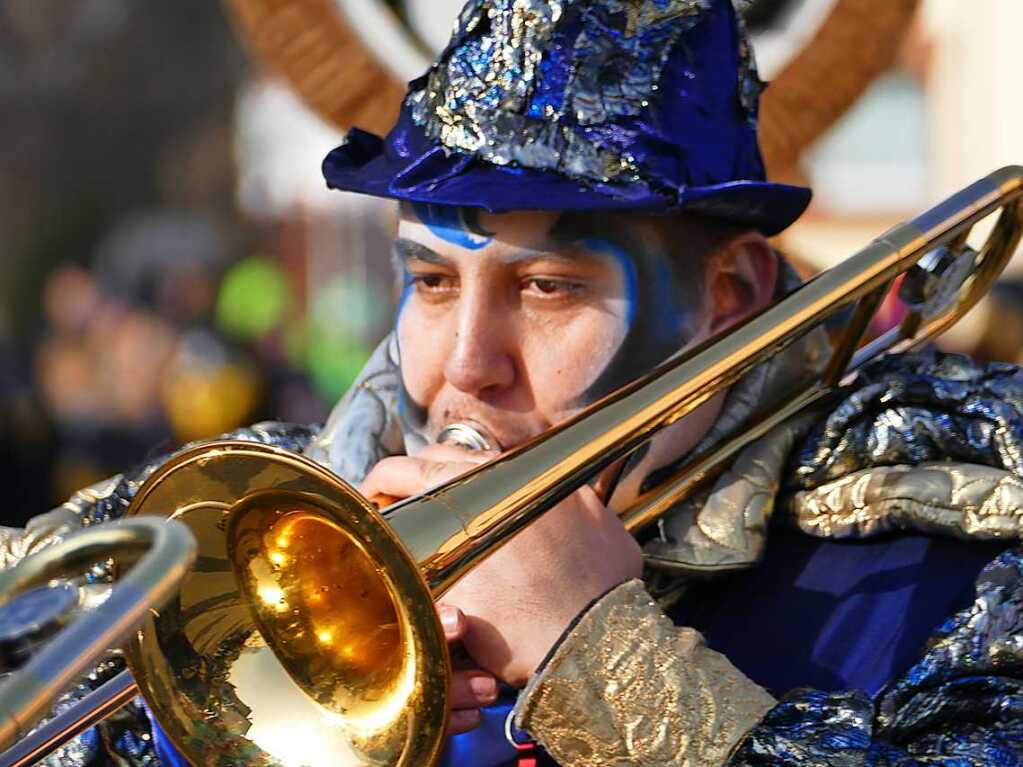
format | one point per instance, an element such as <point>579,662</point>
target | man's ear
<point>740,280</point>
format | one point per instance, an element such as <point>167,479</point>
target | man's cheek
<point>576,358</point>
<point>422,359</point>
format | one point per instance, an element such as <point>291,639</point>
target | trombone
<point>306,633</point>
<point>163,554</point>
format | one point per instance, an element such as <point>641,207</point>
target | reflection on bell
<point>272,596</point>
<point>330,614</point>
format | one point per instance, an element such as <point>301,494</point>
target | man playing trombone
<point>582,197</point>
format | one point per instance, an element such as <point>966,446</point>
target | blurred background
<point>172,267</point>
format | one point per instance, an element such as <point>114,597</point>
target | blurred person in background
<point>117,227</point>
<point>878,543</point>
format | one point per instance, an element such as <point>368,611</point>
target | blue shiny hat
<point>581,105</point>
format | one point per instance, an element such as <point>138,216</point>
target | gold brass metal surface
<point>307,634</point>
<point>304,636</point>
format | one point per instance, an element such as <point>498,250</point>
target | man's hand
<point>519,601</point>
<point>471,689</point>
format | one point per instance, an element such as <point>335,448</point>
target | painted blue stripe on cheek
<point>410,414</point>
<point>629,276</point>
<point>406,292</point>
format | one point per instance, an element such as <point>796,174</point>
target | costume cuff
<point>628,688</point>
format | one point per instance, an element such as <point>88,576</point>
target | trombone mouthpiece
<point>468,435</point>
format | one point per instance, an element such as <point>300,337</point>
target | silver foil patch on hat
<point>524,81</point>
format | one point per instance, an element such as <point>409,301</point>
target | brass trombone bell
<point>307,632</point>
<point>339,657</point>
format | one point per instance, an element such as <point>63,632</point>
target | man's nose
<point>481,359</point>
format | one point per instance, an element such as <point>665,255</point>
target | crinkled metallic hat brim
<point>417,169</point>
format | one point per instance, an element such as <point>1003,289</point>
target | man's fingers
<point>463,720</point>
<point>455,454</point>
<point>472,689</point>
<point>453,621</point>
<point>401,476</point>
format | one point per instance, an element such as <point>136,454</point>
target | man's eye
<point>432,282</point>
<point>546,286</point>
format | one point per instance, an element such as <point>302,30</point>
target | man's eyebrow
<point>403,251</point>
<point>526,255</point>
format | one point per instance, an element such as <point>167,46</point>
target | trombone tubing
<point>451,528</point>
<point>94,707</point>
<point>167,553</point>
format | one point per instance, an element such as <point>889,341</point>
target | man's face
<point>516,321</point>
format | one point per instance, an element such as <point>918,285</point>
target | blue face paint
<point>624,260</point>
<point>459,226</point>
<point>407,286</point>
<point>412,417</point>
<point>657,319</point>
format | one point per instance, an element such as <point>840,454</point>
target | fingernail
<point>449,620</point>
<point>483,687</point>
